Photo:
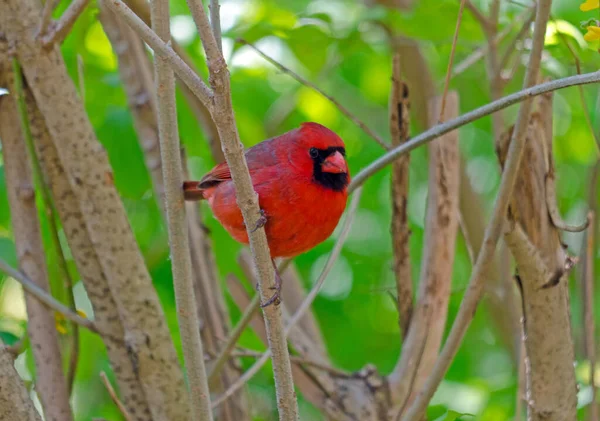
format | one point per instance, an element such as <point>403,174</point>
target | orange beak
<point>335,164</point>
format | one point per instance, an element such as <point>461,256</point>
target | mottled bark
<point>421,347</point>
<point>15,404</point>
<point>106,313</point>
<point>50,381</point>
<point>90,176</point>
<point>542,265</point>
<point>399,115</point>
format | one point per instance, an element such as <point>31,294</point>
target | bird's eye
<point>313,152</point>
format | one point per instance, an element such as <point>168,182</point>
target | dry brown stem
<point>422,343</point>
<point>399,115</point>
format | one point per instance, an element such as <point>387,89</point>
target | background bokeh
<point>339,46</point>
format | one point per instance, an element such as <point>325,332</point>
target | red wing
<point>259,156</point>
<point>217,175</point>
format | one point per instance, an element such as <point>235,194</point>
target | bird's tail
<point>192,191</point>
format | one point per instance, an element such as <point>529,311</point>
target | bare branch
<point>247,200</point>
<point>114,397</point>
<point>189,77</point>
<point>150,346</point>
<point>15,404</point>
<point>49,6</point>
<point>451,59</point>
<point>61,29</point>
<point>45,298</point>
<point>331,99</point>
<point>493,231</point>
<point>333,256</point>
<point>421,346</point>
<point>135,71</point>
<point>399,115</point>
<point>215,22</point>
<point>50,381</point>
<point>234,336</point>
<point>553,208</point>
<point>181,264</point>
<point>524,95</point>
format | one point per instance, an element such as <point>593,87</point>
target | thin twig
<point>557,220</point>
<point>62,28</point>
<point>480,17</point>
<point>440,129</point>
<point>233,338</point>
<point>512,47</point>
<point>451,60</point>
<point>114,397</point>
<point>331,99</point>
<point>247,199</point>
<point>333,256</point>
<point>297,360</point>
<point>494,228</point>
<point>46,299</point>
<point>181,265</point>
<point>215,22</point>
<point>49,6</point>
<point>588,313</point>
<point>189,77</point>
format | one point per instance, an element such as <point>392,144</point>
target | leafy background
<point>339,45</point>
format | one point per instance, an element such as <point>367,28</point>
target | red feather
<point>302,207</point>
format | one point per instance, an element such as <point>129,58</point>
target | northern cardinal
<point>301,178</point>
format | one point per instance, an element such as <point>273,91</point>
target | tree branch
<point>333,256</point>
<point>493,231</point>
<point>421,346</point>
<point>61,29</point>
<point>331,99</point>
<point>524,95</point>
<point>215,22</point>
<point>45,298</point>
<point>50,381</point>
<point>189,77</point>
<point>399,116</point>
<point>114,397</point>
<point>15,404</point>
<point>247,200</point>
<point>181,264</point>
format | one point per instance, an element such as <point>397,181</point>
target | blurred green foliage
<point>341,46</point>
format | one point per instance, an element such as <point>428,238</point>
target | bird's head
<point>325,152</point>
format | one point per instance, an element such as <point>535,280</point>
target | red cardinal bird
<point>301,178</point>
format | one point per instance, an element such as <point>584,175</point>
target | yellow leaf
<point>593,33</point>
<point>82,313</point>
<point>590,5</point>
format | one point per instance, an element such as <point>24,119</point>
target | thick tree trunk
<point>90,176</point>
<point>50,381</point>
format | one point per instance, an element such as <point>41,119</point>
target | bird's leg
<point>261,222</point>
<point>276,298</point>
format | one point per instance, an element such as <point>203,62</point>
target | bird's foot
<point>276,298</point>
<point>261,222</point>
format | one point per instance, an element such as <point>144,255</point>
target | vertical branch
<point>106,312</point>
<point>247,200</point>
<point>15,404</point>
<point>181,264</point>
<point>136,77</point>
<point>493,231</point>
<point>588,312</point>
<point>424,337</point>
<point>89,174</point>
<point>399,111</point>
<point>51,383</point>
<point>215,22</point>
